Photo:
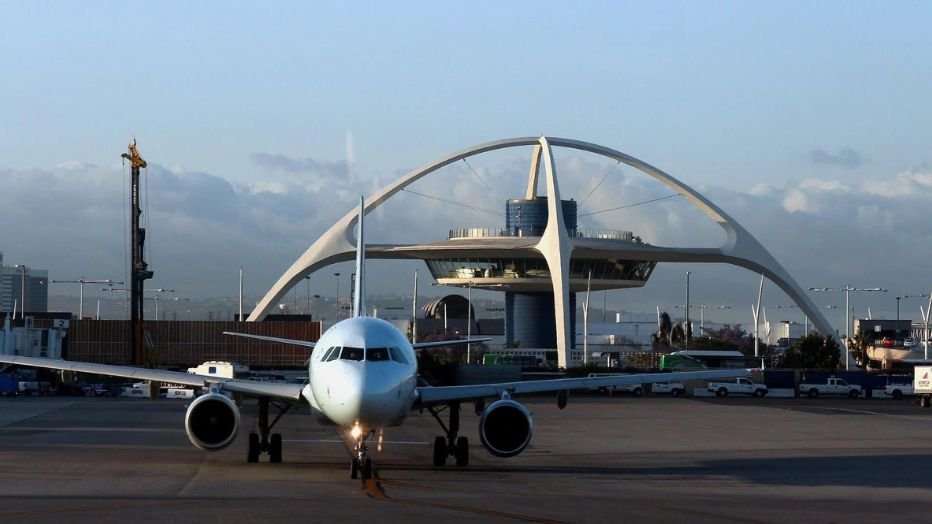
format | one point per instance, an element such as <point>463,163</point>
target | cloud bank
<point>72,220</point>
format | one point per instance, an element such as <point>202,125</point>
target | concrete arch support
<point>556,247</point>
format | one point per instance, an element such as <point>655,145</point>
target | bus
<point>709,359</point>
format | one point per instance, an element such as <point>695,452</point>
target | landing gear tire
<point>354,469</point>
<point>275,448</point>
<point>253,455</point>
<point>462,452</point>
<point>366,470</point>
<point>440,451</point>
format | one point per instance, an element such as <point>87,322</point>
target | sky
<point>262,123</point>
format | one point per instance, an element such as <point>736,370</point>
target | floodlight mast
<point>83,281</point>
<point>848,289</point>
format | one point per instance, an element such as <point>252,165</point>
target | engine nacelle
<point>212,421</point>
<point>505,428</point>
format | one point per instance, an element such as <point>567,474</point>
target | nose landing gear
<point>361,465</point>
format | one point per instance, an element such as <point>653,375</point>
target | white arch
<point>740,248</point>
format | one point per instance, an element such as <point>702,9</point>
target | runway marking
<point>866,412</point>
<point>373,488</point>
<point>90,429</point>
<point>341,441</point>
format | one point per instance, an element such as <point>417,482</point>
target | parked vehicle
<point>9,385</point>
<point>897,391</point>
<point>922,384</point>
<point>674,388</point>
<point>740,386</point>
<point>832,386</point>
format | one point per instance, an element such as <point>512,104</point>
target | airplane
<point>363,378</point>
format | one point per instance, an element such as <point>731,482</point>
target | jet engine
<point>505,428</point>
<point>212,422</point>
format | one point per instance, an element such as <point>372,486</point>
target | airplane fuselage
<point>363,371</point>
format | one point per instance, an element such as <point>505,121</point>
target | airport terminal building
<point>539,258</point>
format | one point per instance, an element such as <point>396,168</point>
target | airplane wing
<point>439,343</point>
<point>292,341</point>
<point>440,395</point>
<point>290,392</point>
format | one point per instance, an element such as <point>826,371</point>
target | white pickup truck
<point>740,386</point>
<point>898,391</point>
<point>673,388</point>
<point>832,386</point>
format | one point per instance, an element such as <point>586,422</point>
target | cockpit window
<point>349,353</point>
<point>376,354</point>
<point>332,354</point>
<point>397,355</point>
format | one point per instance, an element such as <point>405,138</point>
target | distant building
<point>12,279</point>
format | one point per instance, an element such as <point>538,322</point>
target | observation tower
<point>539,258</point>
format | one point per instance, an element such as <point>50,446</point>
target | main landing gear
<point>451,445</point>
<point>361,465</point>
<point>264,441</point>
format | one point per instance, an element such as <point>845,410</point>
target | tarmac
<point>602,459</point>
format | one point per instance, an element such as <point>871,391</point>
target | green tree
<point>859,344</point>
<point>814,351</point>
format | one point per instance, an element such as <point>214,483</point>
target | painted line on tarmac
<point>866,412</point>
<point>341,441</point>
<point>89,430</point>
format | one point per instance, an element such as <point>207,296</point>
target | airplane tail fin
<point>359,294</point>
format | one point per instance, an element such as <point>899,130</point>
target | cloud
<point>845,157</point>
<point>297,165</point>
<point>71,219</point>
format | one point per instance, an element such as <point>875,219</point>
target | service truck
<point>9,385</point>
<point>922,384</point>
<point>738,386</point>
<point>832,386</point>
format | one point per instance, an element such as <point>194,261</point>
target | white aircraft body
<point>363,378</point>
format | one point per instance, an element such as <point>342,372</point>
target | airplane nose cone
<point>346,395</point>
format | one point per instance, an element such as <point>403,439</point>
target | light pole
<point>336,315</point>
<point>83,281</point>
<point>468,321</point>
<point>317,306</point>
<point>308,282</point>
<point>925,319</point>
<point>22,290</point>
<point>848,289</point>
<point>896,335</point>
<point>585,356</point>
<point>792,306</point>
<point>686,331</point>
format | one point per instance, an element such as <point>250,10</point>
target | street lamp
<point>925,319</point>
<point>336,316</point>
<point>897,330</point>
<point>468,321</point>
<point>83,281</point>
<point>686,334</point>
<point>702,308</point>
<point>22,290</point>
<point>848,289</point>
<point>794,306</point>
<point>308,279</point>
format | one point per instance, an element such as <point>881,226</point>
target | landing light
<point>356,432</point>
